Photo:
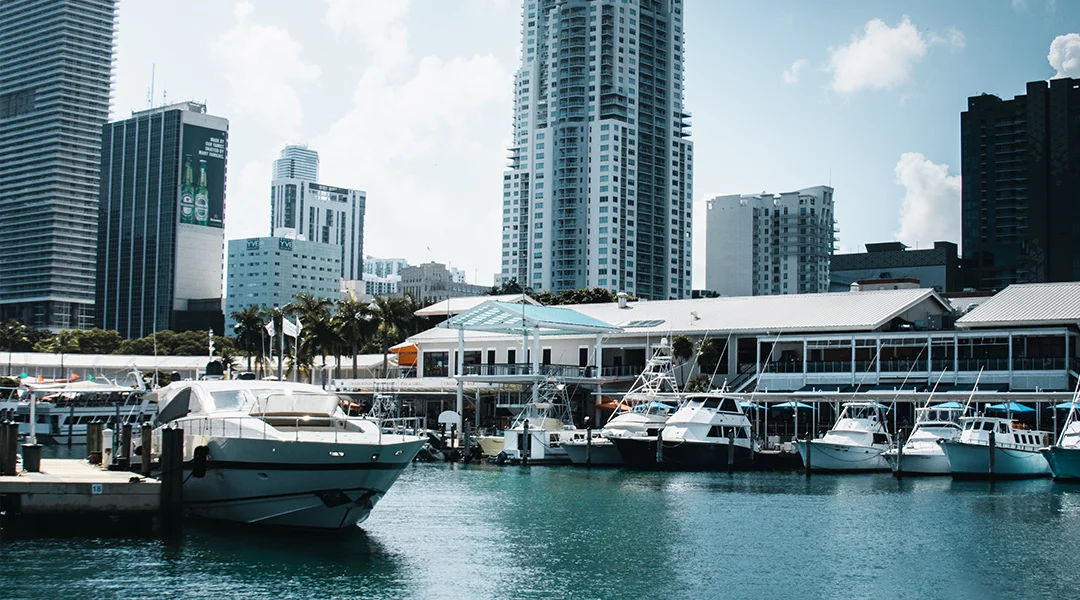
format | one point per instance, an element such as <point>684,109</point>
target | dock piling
<point>172,475</point>
<point>93,441</point>
<point>71,424</point>
<point>147,445</point>
<point>125,447</point>
<point>899,472</point>
<point>588,442</point>
<point>992,442</point>
<point>11,468</point>
<point>526,443</point>
<point>731,450</point>
<point>808,447</point>
<point>660,446</point>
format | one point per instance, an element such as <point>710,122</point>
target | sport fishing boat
<point>279,453</point>
<point>856,443</point>
<point>1064,456</point>
<point>709,432</point>
<point>642,411</point>
<point>922,453</point>
<point>541,428</point>
<point>1015,454</point>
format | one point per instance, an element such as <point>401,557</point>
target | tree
<point>355,325</point>
<point>509,287</point>
<point>682,347</point>
<point>699,383</point>
<point>708,357</point>
<point>395,320</point>
<point>249,331</point>
<point>317,334</point>
<point>16,337</point>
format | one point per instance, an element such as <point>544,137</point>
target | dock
<point>75,487</point>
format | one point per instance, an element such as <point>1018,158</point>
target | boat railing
<point>257,426</point>
<point>1043,442</point>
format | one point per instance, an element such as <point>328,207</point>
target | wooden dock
<point>75,487</point>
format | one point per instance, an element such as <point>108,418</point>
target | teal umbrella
<point>1010,407</point>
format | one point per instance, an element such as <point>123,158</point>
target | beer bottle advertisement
<point>202,187</point>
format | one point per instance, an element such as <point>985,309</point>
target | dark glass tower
<point>55,74</point>
<point>1021,186</point>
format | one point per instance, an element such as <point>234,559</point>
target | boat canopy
<point>1010,407</point>
<point>792,406</point>
<point>947,406</point>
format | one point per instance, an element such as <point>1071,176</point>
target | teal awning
<point>1010,407</point>
<point>503,317</point>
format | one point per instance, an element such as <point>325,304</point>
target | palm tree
<point>317,334</point>
<point>395,320</point>
<point>355,325</point>
<point>249,331</point>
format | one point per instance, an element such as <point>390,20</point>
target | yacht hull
<point>841,458</point>
<point>972,461</point>
<point>1064,462</point>
<point>490,445</point>
<point>602,453</point>
<point>545,446</point>
<point>640,453</point>
<point>309,485</point>
<point>920,462</point>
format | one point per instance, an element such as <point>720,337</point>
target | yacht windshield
<point>278,403</point>
<point>230,399</point>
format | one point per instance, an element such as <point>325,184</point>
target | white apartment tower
<point>766,244</point>
<point>320,213</point>
<point>599,190</point>
<point>297,162</point>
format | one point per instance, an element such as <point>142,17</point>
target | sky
<point>411,101</point>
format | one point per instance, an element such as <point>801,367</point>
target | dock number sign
<point>95,489</point>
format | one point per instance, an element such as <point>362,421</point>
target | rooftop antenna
<point>150,92</point>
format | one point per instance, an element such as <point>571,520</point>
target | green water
<point>562,532</point>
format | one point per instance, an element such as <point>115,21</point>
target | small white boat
<point>1015,454</point>
<point>277,453</point>
<point>856,443</point>
<point>550,424</point>
<point>922,453</point>
<point>1063,457</point>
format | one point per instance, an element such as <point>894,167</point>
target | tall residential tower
<point>55,74</point>
<point>297,162</point>
<point>599,191</point>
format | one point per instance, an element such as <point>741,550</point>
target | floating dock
<point>75,487</point>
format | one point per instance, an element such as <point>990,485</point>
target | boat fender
<point>500,458</point>
<point>198,462</point>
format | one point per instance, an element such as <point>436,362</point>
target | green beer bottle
<point>187,193</point>
<point>202,199</point>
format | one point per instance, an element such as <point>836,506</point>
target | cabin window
<point>712,403</point>
<point>1019,439</point>
<point>968,426</point>
<point>728,405</point>
<point>1002,428</point>
<point>742,433</point>
<point>716,431</point>
<point>228,399</point>
<point>176,408</point>
<point>988,426</point>
<point>880,438</point>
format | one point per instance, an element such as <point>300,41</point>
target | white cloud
<point>1019,5</point>
<point>881,58</point>
<point>379,23</point>
<point>1065,55</point>
<point>263,65</point>
<point>931,207</point>
<point>792,75</point>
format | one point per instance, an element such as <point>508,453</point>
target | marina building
<point>297,162</point>
<point>432,282</point>
<point>1020,180</point>
<point>769,244</point>
<point>161,236</point>
<point>321,213</point>
<point>937,268</point>
<point>270,271</point>
<point>599,189</point>
<point>55,76</point>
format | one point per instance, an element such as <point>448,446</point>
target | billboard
<point>202,176</point>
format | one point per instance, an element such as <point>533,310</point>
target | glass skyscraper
<point>55,75</point>
<point>297,162</point>
<point>599,190</point>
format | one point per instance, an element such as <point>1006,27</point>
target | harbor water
<point>455,531</point>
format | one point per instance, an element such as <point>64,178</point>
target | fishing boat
<point>856,443</point>
<point>1015,453</point>
<point>921,454</point>
<point>642,411</point>
<point>1064,456</point>
<point>708,432</point>
<point>541,428</point>
<point>278,453</point>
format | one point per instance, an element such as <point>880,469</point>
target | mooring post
<point>12,447</point>
<point>991,444</point>
<point>93,441</point>
<point>588,442</point>
<point>731,450</point>
<point>4,448</point>
<point>526,443</point>
<point>125,447</point>
<point>660,446</point>
<point>453,442</point>
<point>899,472</point>
<point>71,424</point>
<point>172,476</point>
<point>808,447</point>
<point>147,445</point>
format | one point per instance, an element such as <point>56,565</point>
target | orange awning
<point>609,403</point>
<point>406,354</point>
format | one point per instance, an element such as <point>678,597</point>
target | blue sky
<point>411,101</point>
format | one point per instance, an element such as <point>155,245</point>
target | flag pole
<point>281,349</point>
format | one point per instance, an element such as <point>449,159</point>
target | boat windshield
<point>284,404</point>
<point>859,412</point>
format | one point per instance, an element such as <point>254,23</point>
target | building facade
<point>55,76</point>
<point>766,244</point>
<point>937,267</point>
<point>321,213</point>
<point>383,267</point>
<point>161,221</point>
<point>431,282</point>
<point>1020,167</point>
<point>297,162</point>
<point>599,189</point>
<point>269,272</point>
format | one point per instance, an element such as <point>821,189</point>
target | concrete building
<point>382,267</point>
<point>321,213</point>
<point>767,244</point>
<point>297,162</point>
<point>55,75</point>
<point>1020,167</point>
<point>937,267</point>
<point>371,286</point>
<point>431,282</point>
<point>269,272</point>
<point>161,233</point>
<point>599,189</point>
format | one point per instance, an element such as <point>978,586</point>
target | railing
<point>402,425</point>
<point>550,370</point>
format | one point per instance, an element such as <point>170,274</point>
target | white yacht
<point>856,443</point>
<point>550,425</point>
<point>1015,454</point>
<point>280,453</point>
<point>922,453</point>
<point>642,411</point>
<point>62,411</point>
<point>1064,456</point>
<point>701,435</point>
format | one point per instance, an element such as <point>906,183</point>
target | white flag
<point>289,328</point>
<point>270,328</point>
<point>299,326</point>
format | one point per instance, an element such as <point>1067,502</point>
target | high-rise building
<point>320,213</point>
<point>1020,181</point>
<point>297,162</point>
<point>765,244</point>
<point>431,282</point>
<point>55,75</point>
<point>598,193</point>
<point>937,267</point>
<point>161,223</point>
<point>383,267</point>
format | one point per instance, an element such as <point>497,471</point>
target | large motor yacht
<point>280,453</point>
<point>709,432</point>
<point>1064,456</point>
<point>922,453</point>
<point>642,411</point>
<point>1015,454</point>
<point>856,443</point>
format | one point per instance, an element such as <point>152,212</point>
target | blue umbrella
<point>1066,405</point>
<point>748,405</point>
<point>1010,407</point>
<point>792,406</point>
<point>948,405</point>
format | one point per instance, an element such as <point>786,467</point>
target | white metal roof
<point>1029,304</point>
<point>503,317</point>
<point>796,313</point>
<point>455,306</point>
<point>104,363</point>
